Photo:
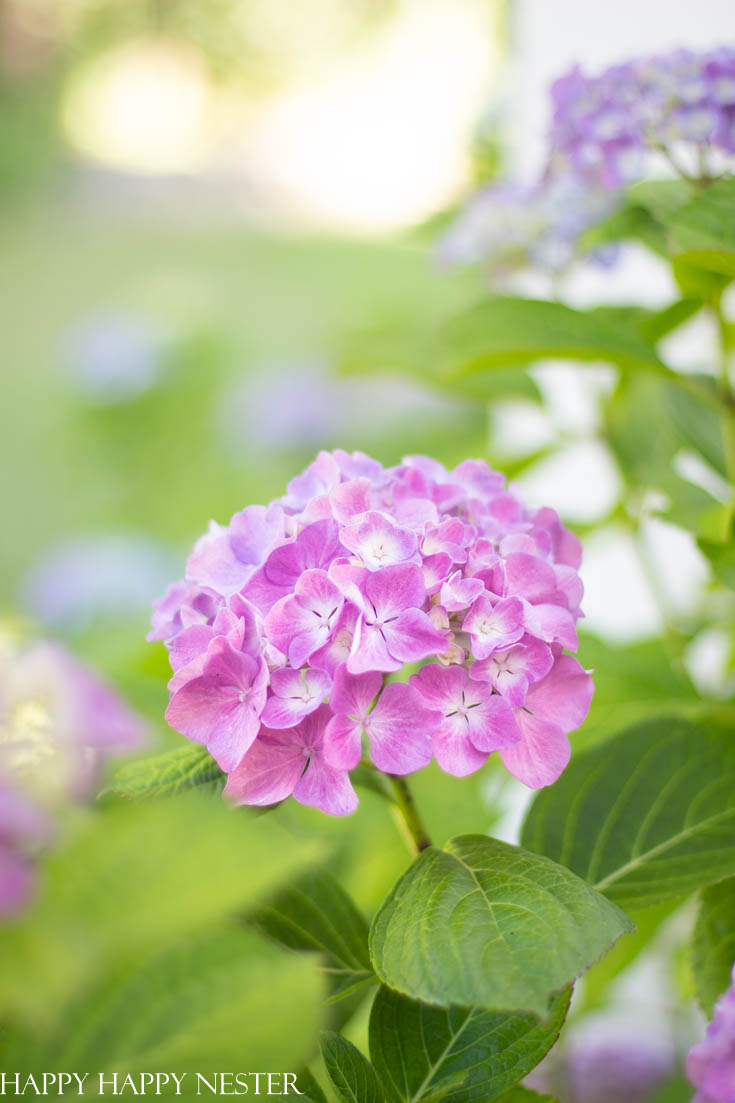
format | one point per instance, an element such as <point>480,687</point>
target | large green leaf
<point>133,878</point>
<point>455,1054</point>
<point>315,913</point>
<point>225,999</point>
<point>713,951</point>
<point>353,1077</point>
<point>485,924</point>
<point>646,816</point>
<point>501,332</point>
<point>165,775</point>
<point>707,222</point>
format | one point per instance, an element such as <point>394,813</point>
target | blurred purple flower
<point>711,1063</point>
<point>605,127</point>
<point>95,576</point>
<point>624,1069</point>
<point>112,357</point>
<point>59,722</point>
<point>511,225</point>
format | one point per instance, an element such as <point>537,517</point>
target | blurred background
<point>202,202</point>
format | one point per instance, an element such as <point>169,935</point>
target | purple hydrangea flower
<point>711,1063</point>
<point>294,620</point>
<point>606,132</point>
<point>605,128</point>
<point>59,723</point>
<point>511,225</point>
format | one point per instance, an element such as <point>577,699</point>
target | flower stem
<point>727,408</point>
<point>410,819</point>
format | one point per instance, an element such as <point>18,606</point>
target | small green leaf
<point>455,1054</point>
<point>647,816</point>
<point>713,950</point>
<point>165,775</point>
<point>353,1077</point>
<point>500,332</point>
<point>485,924</point>
<point>315,913</point>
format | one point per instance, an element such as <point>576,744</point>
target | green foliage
<point>519,1094</point>
<point>353,1077</point>
<point>207,1003</point>
<point>315,913</point>
<point>500,332</point>
<point>713,949</point>
<point>455,1054</point>
<point>647,816</point>
<point>131,880</point>
<point>167,774</point>
<point>485,924</point>
<point>707,221</point>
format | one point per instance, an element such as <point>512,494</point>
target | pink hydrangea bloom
<point>711,1063</point>
<point>405,613</point>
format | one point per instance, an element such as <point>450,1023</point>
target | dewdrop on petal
<point>290,635</point>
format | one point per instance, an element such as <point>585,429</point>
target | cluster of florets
<point>418,611</point>
<point>605,131</point>
<point>513,225</point>
<point>711,1063</point>
<point>605,126</point>
<point>59,723</point>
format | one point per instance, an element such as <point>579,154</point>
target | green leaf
<point>646,816</point>
<point>500,332</point>
<point>165,775</point>
<point>662,198</point>
<point>133,878</point>
<point>713,949</point>
<point>310,1089</point>
<point>485,924</point>
<point>206,1004</point>
<point>519,1094</point>
<point>456,1054</point>
<point>707,222</point>
<point>315,913</point>
<point>352,1075</point>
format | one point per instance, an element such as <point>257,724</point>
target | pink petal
<point>491,725</point>
<point>458,593</point>
<point>343,742</point>
<point>378,540</point>
<point>435,570</point>
<point>213,562</point>
<point>454,751</point>
<point>399,729</point>
<point>551,623</point>
<point>541,755</point>
<point>529,577</point>
<point>493,627</point>
<point>269,771</point>
<point>254,531</point>
<point>295,694</point>
<point>440,687</point>
<point>353,694</point>
<point>350,498</point>
<point>563,696</point>
<point>412,637</point>
<point>369,650</point>
<point>337,650</point>
<point>393,589</point>
<point>325,788</point>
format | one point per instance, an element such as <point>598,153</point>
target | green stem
<point>727,407</point>
<point>410,819</point>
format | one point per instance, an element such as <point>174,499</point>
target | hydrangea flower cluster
<point>516,225</point>
<point>604,131</point>
<point>59,723</point>
<point>420,611</point>
<point>711,1063</point>
<point>604,126</point>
